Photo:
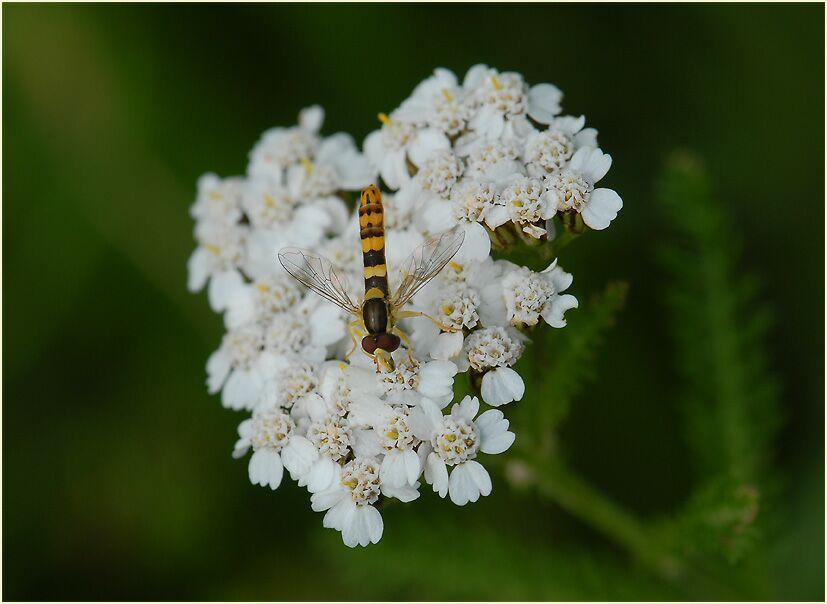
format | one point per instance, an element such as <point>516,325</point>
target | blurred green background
<point>117,476</point>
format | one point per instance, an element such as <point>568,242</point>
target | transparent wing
<point>320,275</point>
<point>425,263</point>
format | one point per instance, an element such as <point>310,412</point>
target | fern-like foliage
<point>475,559</point>
<point>729,397</point>
<point>561,363</point>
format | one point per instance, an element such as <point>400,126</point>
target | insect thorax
<point>375,315</point>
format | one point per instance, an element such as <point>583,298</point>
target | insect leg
<point>353,330</point>
<point>406,340</point>
<point>406,314</point>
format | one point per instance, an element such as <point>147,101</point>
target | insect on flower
<point>377,313</point>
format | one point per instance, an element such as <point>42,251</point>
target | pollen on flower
<point>492,347</point>
<point>523,200</point>
<point>403,377</point>
<point>361,478</point>
<point>456,441</point>
<point>275,294</point>
<point>505,92</point>
<point>224,242</point>
<point>396,133</point>
<point>296,381</point>
<point>394,432</point>
<point>331,436</point>
<point>526,294</point>
<point>472,200</point>
<point>451,113</point>
<point>320,180</point>
<point>268,205</point>
<point>439,173</point>
<point>271,429</point>
<point>483,158</point>
<point>281,147</point>
<point>218,199</point>
<point>286,334</point>
<point>244,345</point>
<point>570,190</point>
<point>459,308</point>
<point>340,397</point>
<point>549,150</point>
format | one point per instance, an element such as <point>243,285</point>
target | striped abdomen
<point>372,233</point>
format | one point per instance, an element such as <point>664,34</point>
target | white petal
<point>395,168</point>
<point>461,487</point>
<point>365,443</point>
<point>591,163</point>
<point>268,365</point>
<point>436,474</point>
<point>502,385</point>
<point>475,77</point>
<point>321,476</point>
<point>340,510</point>
<point>554,310</point>
<point>222,287</point>
<point>468,481</point>
<point>544,102</point>
<point>598,165</point>
<point>240,307</point>
<point>436,381</point>
<point>602,208</point>
<point>446,345</point>
<point>413,468</point>
<point>367,410</point>
<point>241,390</point>
<point>494,435</point>
<point>355,170</point>
<point>496,215</point>
<point>466,409</point>
<point>569,124</point>
<point>265,468</point>
<point>426,143</point>
<point>585,138</point>
<point>241,447</point>
<point>560,280</point>
<point>362,526</point>
<point>299,455</point>
<point>326,325</point>
<point>312,406</point>
<point>480,477</point>
<point>198,269</point>
<point>374,149</point>
<point>392,470</point>
<point>436,216</point>
<point>218,367</point>
<point>488,122</point>
<point>311,118</point>
<point>425,419</point>
<point>404,494</point>
<point>374,523</point>
<point>476,246</point>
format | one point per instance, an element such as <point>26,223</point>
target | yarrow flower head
<point>487,159</point>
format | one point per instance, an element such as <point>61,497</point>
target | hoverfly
<point>378,311</point>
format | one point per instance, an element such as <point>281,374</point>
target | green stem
<point>580,499</point>
<point>559,483</point>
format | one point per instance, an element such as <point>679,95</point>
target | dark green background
<point>117,476</point>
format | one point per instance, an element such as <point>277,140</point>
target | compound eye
<point>387,341</point>
<point>369,344</point>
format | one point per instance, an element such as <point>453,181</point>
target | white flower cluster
<point>482,156</point>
